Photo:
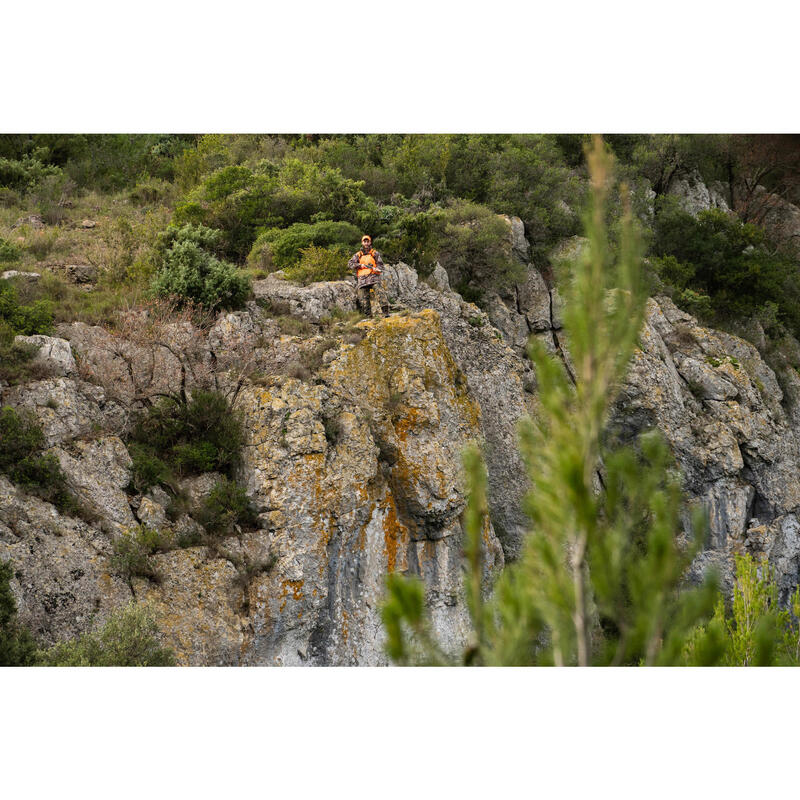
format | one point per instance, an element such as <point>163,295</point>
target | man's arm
<point>353,262</point>
<point>378,261</point>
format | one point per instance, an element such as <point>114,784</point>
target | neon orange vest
<point>367,263</point>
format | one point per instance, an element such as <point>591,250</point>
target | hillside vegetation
<point>199,216</point>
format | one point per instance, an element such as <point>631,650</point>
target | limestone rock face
<point>97,471</point>
<point>67,408</point>
<point>357,476</point>
<point>63,585</point>
<point>496,378</point>
<point>719,406</point>
<point>354,436</point>
<point>311,302</point>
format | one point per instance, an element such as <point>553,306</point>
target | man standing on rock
<point>371,297</point>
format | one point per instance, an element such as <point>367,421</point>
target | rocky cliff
<point>352,457</point>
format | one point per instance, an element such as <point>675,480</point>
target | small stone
<point>88,223</point>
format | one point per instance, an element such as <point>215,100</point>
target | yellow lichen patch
<point>295,588</point>
<point>395,538</point>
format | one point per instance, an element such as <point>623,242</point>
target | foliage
<point>17,646</point>
<point>717,255</point>
<point>147,468</point>
<point>530,180</point>
<point>599,580</point>
<point>226,507</point>
<point>188,435</point>
<point>25,172</point>
<point>189,272</point>
<point>130,638</point>
<point>276,248</point>
<point>26,320</point>
<point>473,244</point>
<point>132,551</point>
<point>755,631</point>
<point>9,252</point>
<point>319,264</point>
<point>21,459</point>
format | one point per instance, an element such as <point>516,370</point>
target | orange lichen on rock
<point>395,537</point>
<point>296,589</point>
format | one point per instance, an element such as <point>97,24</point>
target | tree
<point>600,579</point>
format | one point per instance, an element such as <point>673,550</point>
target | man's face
<point>366,243</point>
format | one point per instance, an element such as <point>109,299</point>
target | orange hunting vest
<point>366,262</point>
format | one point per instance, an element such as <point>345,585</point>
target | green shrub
<point>226,506</point>
<point>147,469</point>
<point>150,191</point>
<point>716,255</point>
<point>276,248</point>
<point>21,459</point>
<point>9,252</point>
<point>26,320</point>
<point>189,272</point>
<point>319,264</point>
<point>235,200</point>
<point>128,639</point>
<point>17,646</point>
<point>530,179</point>
<point>208,239</point>
<point>132,551</point>
<point>474,246</point>
<point>22,174</point>
<point>754,630</point>
<point>200,434</point>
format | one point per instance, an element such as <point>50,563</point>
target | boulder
<point>54,356</point>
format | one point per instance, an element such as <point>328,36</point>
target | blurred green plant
<point>601,576</point>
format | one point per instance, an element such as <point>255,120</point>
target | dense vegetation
<point>198,216</point>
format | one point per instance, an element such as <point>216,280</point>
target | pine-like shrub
<point>188,271</point>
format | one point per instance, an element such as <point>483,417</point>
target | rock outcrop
<point>354,435</point>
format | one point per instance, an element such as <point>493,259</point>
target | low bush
<point>21,459</point>
<point>199,434</point>
<point>226,507</point>
<point>132,551</point>
<point>151,190</point>
<point>24,173</point>
<point>26,320</point>
<point>188,271</point>
<point>130,638</point>
<point>319,264</point>
<point>9,252</point>
<point>276,248</point>
<point>474,245</point>
<point>17,646</point>
<point>147,469</point>
<point>16,359</point>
